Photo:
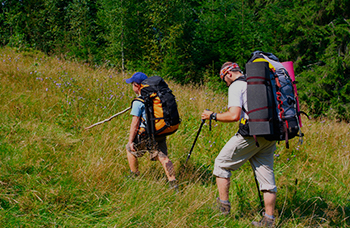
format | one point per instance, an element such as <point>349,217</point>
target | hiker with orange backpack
<point>239,149</point>
<point>140,141</point>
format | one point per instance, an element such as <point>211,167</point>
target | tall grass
<point>53,173</point>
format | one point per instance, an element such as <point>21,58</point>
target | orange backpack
<point>162,116</point>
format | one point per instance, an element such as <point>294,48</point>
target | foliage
<point>188,41</point>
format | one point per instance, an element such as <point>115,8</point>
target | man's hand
<point>232,115</point>
<point>206,114</point>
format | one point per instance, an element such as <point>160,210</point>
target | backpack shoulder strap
<point>137,99</point>
<point>141,100</point>
<point>242,78</point>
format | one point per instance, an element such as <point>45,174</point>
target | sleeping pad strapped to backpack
<point>272,104</point>
<point>161,108</point>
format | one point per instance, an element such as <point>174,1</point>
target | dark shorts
<point>140,145</point>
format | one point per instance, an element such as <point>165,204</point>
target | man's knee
<point>162,158</point>
<point>270,189</point>
<point>128,152</point>
<point>221,172</point>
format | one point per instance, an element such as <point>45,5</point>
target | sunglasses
<point>223,78</point>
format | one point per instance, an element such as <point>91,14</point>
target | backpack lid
<point>154,84</point>
<point>267,54</point>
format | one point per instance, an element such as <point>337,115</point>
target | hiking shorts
<point>140,145</point>
<point>240,149</point>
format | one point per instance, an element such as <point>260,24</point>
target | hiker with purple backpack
<point>239,149</point>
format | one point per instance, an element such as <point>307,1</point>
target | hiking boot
<point>225,208</point>
<point>265,222</point>
<point>173,185</point>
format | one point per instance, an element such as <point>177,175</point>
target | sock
<point>225,201</point>
<point>270,216</point>
<point>173,183</point>
<point>136,174</point>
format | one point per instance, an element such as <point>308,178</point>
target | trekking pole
<point>199,130</point>
<point>109,119</point>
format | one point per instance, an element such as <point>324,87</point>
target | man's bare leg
<point>167,166</point>
<point>133,163</point>
<point>223,187</point>
<point>270,201</point>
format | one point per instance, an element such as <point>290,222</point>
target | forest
<point>188,41</point>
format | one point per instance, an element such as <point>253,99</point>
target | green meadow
<point>54,173</point>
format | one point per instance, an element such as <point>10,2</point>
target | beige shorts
<point>140,145</point>
<point>240,149</point>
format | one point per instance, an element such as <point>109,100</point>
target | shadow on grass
<point>314,207</point>
<point>296,203</point>
<point>192,172</point>
<point>195,172</point>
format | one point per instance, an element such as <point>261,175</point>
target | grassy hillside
<point>53,173</point>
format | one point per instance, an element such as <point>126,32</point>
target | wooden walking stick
<point>109,119</point>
